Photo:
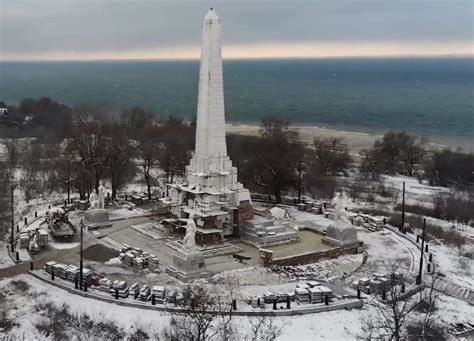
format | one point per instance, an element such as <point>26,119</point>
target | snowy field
<point>26,303</point>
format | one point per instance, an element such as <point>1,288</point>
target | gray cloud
<point>34,26</point>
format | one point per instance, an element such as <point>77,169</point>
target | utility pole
<point>403,208</point>
<point>68,184</point>
<point>299,183</point>
<point>80,262</point>
<point>420,271</point>
<point>12,237</point>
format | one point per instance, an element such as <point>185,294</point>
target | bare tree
<point>329,157</point>
<point>195,321</point>
<point>5,212</point>
<point>371,164</point>
<point>393,312</point>
<point>429,305</point>
<point>13,145</point>
<point>264,328</point>
<point>177,141</point>
<point>119,155</point>
<point>227,330</point>
<point>148,150</point>
<point>277,159</point>
<point>90,144</point>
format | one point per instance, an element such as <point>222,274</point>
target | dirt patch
<point>100,253</point>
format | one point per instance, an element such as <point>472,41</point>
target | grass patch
<point>20,286</point>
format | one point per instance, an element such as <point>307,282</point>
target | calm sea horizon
<point>426,96</point>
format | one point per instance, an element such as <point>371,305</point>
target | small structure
<point>263,231</point>
<point>341,232</point>
<point>188,264</point>
<point>97,216</point>
<point>101,195</point>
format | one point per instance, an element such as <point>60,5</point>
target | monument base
<point>188,266</point>
<point>96,219</point>
<point>340,235</point>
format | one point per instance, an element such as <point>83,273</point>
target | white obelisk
<point>210,130</point>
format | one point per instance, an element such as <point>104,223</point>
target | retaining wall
<point>312,257</point>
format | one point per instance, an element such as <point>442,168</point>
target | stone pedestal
<point>96,219</point>
<point>341,235</point>
<point>188,266</point>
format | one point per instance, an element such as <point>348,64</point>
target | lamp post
<point>12,237</point>
<point>68,183</point>
<point>299,182</point>
<point>80,261</point>
<point>403,208</point>
<point>420,271</point>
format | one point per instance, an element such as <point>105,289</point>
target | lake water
<point>429,96</point>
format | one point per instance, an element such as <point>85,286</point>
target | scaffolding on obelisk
<point>211,193</point>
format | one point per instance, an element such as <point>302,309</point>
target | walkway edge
<point>349,304</point>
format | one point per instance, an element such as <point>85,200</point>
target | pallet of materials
<point>105,284</point>
<point>24,240</point>
<point>269,296</point>
<point>120,287</point>
<point>326,292</point>
<point>302,286</point>
<point>72,272</point>
<point>313,284</point>
<point>159,292</point>
<point>282,296</point>
<point>145,293</point>
<point>302,295</point>
<point>315,295</point>
<point>134,288</point>
<point>87,276</point>
<point>153,263</point>
<point>49,266</point>
<point>58,269</point>
<point>138,263</point>
<point>128,258</point>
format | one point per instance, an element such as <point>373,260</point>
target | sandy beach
<point>355,140</point>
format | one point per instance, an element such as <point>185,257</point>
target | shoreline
<point>356,140</point>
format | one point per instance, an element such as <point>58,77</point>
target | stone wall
<point>312,257</point>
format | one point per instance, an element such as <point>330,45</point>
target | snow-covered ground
<point>25,308</point>
<point>416,193</point>
<point>5,260</point>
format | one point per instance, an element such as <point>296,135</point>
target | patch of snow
<point>113,261</point>
<point>63,246</point>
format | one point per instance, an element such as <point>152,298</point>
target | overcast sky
<point>95,29</point>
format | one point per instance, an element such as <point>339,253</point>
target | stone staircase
<point>455,290</point>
